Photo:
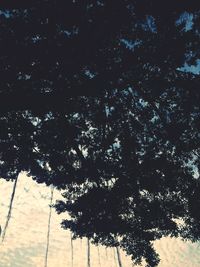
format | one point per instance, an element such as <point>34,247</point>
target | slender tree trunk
<point>49,227</point>
<point>88,252</point>
<point>119,257</point>
<point>115,260</point>
<point>106,252</point>
<point>99,256</point>
<point>72,250</point>
<point>10,209</point>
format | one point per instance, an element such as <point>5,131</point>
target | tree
<point>95,99</point>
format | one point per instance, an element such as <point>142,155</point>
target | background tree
<point>96,98</point>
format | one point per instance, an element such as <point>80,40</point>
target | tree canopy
<point>97,98</point>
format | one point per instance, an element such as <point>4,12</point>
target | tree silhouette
<point>97,98</point>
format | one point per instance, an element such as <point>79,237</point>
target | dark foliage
<point>96,98</point>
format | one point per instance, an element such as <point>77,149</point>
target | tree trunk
<point>119,257</point>
<point>49,227</point>
<point>10,209</point>
<point>88,252</point>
